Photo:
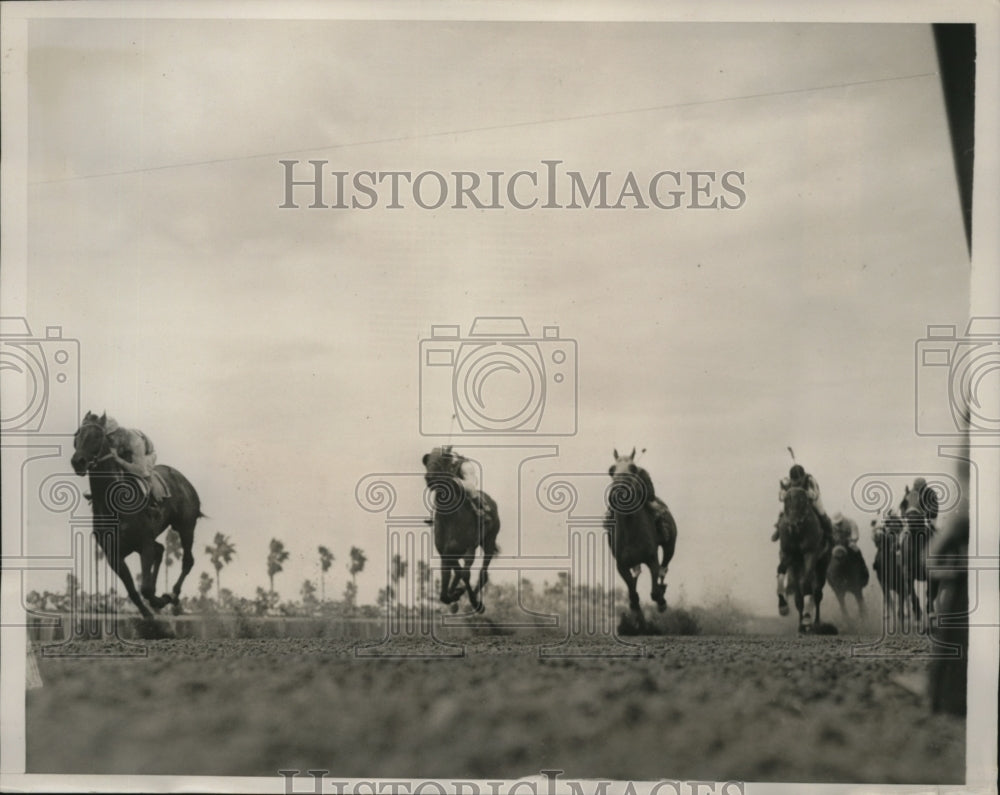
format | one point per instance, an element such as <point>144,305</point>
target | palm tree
<point>308,592</point>
<point>425,578</point>
<point>275,557</point>
<point>204,586</point>
<point>358,560</point>
<point>396,573</point>
<point>222,552</point>
<point>325,561</point>
<point>171,553</point>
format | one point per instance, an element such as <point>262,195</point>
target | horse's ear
<point>611,470</point>
<point>616,454</point>
<point>633,453</point>
<point>426,458</point>
<point>104,418</point>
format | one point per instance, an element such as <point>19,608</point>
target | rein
<point>97,459</point>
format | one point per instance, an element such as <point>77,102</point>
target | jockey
<point>797,476</point>
<point>134,452</point>
<point>921,498</point>
<point>442,459</point>
<point>845,532</point>
<point>658,506</point>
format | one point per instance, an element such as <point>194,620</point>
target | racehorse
<point>894,578</point>
<point>805,555</point>
<point>460,527</point>
<point>848,573</point>
<point>914,541</point>
<point>632,531</point>
<point>125,521</point>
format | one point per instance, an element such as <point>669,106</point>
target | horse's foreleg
<point>658,594</point>
<point>484,571</point>
<point>630,582</point>
<point>781,590</point>
<point>842,603</point>
<point>465,573</point>
<point>121,569</point>
<point>151,556</point>
<point>445,581</point>
<point>860,599</point>
<point>811,588</point>
<point>452,586</point>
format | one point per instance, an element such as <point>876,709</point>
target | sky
<point>276,355</point>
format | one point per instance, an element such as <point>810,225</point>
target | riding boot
<point>477,505</point>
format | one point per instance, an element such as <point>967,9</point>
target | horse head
<point>444,474</point>
<point>90,443</point>
<point>797,505</point>
<point>628,491</point>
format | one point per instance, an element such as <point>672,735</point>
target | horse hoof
<point>453,607</point>
<point>480,608</point>
<point>661,606</point>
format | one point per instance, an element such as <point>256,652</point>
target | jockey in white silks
<point>133,451</point>
<point>845,531</point>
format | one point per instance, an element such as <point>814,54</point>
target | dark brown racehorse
<point>462,523</point>
<point>895,579</point>
<point>125,521</point>
<point>805,555</point>
<point>914,541</point>
<point>632,532</point>
<point>848,574</point>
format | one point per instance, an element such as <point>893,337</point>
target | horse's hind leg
<point>186,533</point>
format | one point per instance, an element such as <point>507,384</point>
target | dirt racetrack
<point>751,708</point>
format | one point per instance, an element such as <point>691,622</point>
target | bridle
<point>97,458</point>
